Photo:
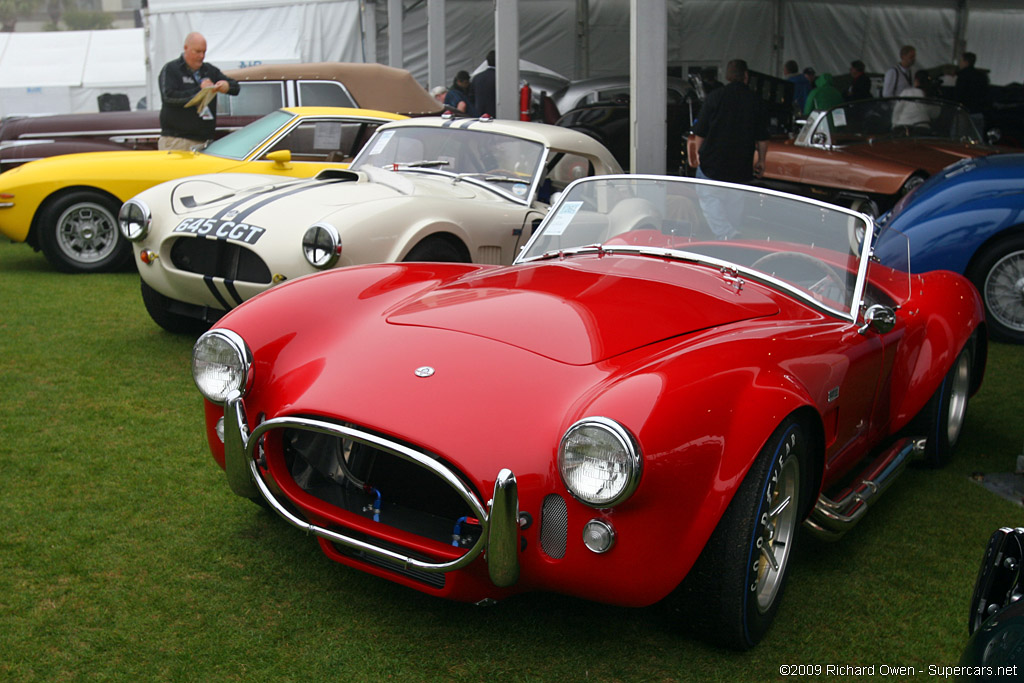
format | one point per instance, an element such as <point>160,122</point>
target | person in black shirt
<point>181,79</point>
<point>860,86</point>
<point>732,126</point>
<point>971,89</point>
<point>483,89</point>
<point>731,129</point>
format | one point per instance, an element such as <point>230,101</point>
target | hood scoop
<point>577,315</point>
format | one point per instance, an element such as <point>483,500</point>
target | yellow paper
<point>202,98</point>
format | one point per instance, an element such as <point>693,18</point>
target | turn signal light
<point>148,256</point>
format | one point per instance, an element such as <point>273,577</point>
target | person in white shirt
<point>900,76</point>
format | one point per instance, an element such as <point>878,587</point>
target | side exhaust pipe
<point>831,519</point>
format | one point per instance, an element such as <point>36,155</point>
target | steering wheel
<point>791,266</point>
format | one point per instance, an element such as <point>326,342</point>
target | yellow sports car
<point>67,205</point>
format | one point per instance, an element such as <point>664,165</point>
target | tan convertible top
<point>373,86</point>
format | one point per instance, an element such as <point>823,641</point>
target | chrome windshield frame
<point>857,295</point>
<point>361,160</point>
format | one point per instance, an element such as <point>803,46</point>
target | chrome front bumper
<point>499,540</point>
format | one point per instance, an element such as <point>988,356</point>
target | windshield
<point>808,248</point>
<point>506,164</point>
<point>892,118</point>
<point>241,143</point>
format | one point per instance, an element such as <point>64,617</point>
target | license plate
<point>221,229</point>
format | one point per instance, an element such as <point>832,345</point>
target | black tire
<point>942,418</point>
<point>436,249</point>
<point>732,593</point>
<point>998,273</point>
<point>78,233</point>
<point>158,306</point>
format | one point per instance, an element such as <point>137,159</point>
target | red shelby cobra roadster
<point>670,380</point>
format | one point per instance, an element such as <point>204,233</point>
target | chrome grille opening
<point>434,579</point>
<point>378,485</point>
<point>554,526</point>
<point>219,258</point>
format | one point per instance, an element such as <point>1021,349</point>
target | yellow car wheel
<point>78,233</point>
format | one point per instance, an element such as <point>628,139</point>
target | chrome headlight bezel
<point>321,245</point>
<point>134,220</point>
<point>606,448</point>
<point>224,348</point>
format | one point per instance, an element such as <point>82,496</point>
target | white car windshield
<point>242,142</point>
<point>504,163</point>
<point>808,248</point>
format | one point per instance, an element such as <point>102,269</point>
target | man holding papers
<point>188,89</point>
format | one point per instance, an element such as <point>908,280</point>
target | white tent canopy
<point>66,71</point>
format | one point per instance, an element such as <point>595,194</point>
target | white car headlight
<point>221,363</point>
<point>134,219</point>
<point>599,461</point>
<point>321,245</point>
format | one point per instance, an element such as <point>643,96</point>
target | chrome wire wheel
<point>959,392</point>
<point>1003,291</point>
<point>87,232</point>
<point>777,528</point>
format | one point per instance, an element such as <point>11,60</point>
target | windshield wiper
<point>493,178</point>
<point>582,249</point>
<point>423,163</point>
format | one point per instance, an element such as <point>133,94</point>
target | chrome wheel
<point>778,526</point>
<point>959,392</point>
<point>733,590</point>
<point>1003,291</point>
<point>87,233</point>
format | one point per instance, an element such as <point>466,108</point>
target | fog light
<point>598,536</point>
<point>220,429</point>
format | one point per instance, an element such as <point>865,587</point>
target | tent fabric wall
<point>40,72</point>
<point>824,34</point>
<point>65,72</point>
<point>995,36</point>
<point>546,34</point>
<point>828,37</point>
<point>244,33</point>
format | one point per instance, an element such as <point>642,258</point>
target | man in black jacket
<point>731,130</point>
<point>971,89</point>
<point>183,126</point>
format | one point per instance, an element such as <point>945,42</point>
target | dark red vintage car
<point>670,380</point>
<point>263,89</point>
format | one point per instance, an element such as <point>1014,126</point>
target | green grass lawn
<point>124,556</point>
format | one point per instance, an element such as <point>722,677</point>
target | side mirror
<point>282,159</point>
<point>881,319</point>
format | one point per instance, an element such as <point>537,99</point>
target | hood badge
<point>230,214</point>
<point>425,371</point>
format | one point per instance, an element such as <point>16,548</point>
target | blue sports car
<point>969,219</point>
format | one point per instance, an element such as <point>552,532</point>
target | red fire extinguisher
<point>524,102</point>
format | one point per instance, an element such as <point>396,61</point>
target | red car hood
<point>931,155</point>
<point>585,310</point>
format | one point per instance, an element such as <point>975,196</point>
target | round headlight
<point>221,363</point>
<point>321,245</point>
<point>599,462</point>
<point>134,219</point>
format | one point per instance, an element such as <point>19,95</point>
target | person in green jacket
<point>824,96</point>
